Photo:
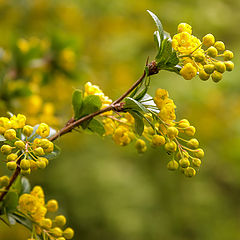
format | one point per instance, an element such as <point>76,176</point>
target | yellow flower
<point>18,121</point>
<point>27,203</point>
<point>167,113</point>
<point>39,194</point>
<point>188,71</point>
<point>184,27</point>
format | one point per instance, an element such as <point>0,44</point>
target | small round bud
<point>171,146</point>
<point>199,56</point>
<point>43,130</point>
<point>184,162</point>
<point>193,143</point>
<point>20,144</point>
<point>229,66</point>
<point>216,76</point>
<point>39,151</point>
<point>212,52</point>
<point>12,157</point>
<point>56,232</point>
<point>228,55</point>
<point>172,165</point>
<point>140,145</point>
<point>44,143</point>
<point>220,67</point>
<point>188,71</point>
<point>33,165</point>
<point>184,123</point>
<point>209,68</point>
<point>10,134</point>
<point>172,132</point>
<point>60,220</point>
<point>6,149</point>
<point>43,159</point>
<point>68,233</point>
<point>190,131</point>
<point>41,164</point>
<point>158,140</point>
<point>25,172</point>
<point>12,166</point>
<point>208,40</point>
<point>220,46</point>
<point>25,164</point>
<point>4,181</point>
<point>196,162</point>
<point>203,75</point>
<point>190,172</point>
<point>46,223</point>
<point>52,205</point>
<point>27,130</point>
<point>199,153</point>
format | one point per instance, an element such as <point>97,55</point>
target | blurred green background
<point>111,192</point>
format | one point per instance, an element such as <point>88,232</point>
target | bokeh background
<point>50,47</point>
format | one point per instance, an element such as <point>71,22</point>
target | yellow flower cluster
<point>90,89</point>
<point>196,60</point>
<point>164,132</point>
<point>20,148</point>
<point>33,207</point>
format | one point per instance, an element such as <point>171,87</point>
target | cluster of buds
<point>22,147</point>
<point>195,59</point>
<point>33,206</point>
<point>164,131</point>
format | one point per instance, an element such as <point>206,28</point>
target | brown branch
<point>71,124</point>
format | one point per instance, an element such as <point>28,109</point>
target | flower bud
<point>158,140</point>
<point>52,205</point>
<point>4,181</point>
<point>10,134</point>
<point>25,164</point>
<point>12,157</point>
<point>172,165</point>
<point>228,55</point>
<point>27,130</point>
<point>20,144</point>
<point>184,162</point>
<point>196,162</point>
<point>41,164</point>
<point>33,165</point>
<point>208,40</point>
<point>216,76</point>
<point>199,56</point>
<point>190,131</point>
<point>6,149</point>
<point>56,232</point>
<point>209,68</point>
<point>203,75</point>
<point>220,46</point>
<point>190,172</point>
<point>11,166</point>
<point>39,151</point>
<point>220,67</point>
<point>68,233</point>
<point>193,143</point>
<point>199,153</point>
<point>46,223</point>
<point>171,146</point>
<point>229,66</point>
<point>184,123</point>
<point>25,172</point>
<point>140,145</point>
<point>43,130</point>
<point>188,71</point>
<point>212,52</point>
<point>60,220</point>
<point>172,132</point>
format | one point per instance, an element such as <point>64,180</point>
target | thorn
<point>147,60</point>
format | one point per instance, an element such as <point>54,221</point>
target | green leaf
<point>173,60</point>
<point>2,138</point>
<point>91,104</point>
<point>166,51</point>
<point>77,102</point>
<point>141,94</point>
<point>132,104</point>
<point>157,39</point>
<point>139,124</point>
<point>96,126</point>
<point>26,187</point>
<point>158,24</point>
<point>11,201</point>
<point>17,185</point>
<point>20,219</point>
